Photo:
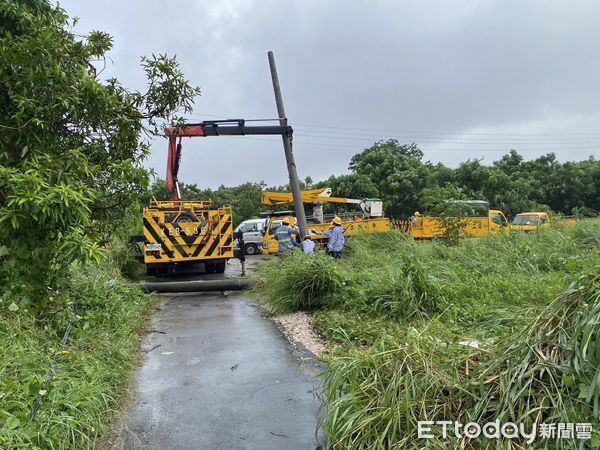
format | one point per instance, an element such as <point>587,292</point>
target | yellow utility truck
<point>180,233</point>
<point>474,217</point>
<point>529,222</point>
<point>369,219</point>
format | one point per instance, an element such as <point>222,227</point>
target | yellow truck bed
<point>429,227</point>
<point>350,226</point>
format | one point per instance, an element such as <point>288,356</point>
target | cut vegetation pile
<point>500,328</point>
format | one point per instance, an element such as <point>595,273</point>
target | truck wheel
<point>251,249</point>
<point>220,267</point>
<point>209,267</point>
<point>150,271</point>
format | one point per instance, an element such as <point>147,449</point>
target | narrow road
<point>220,376</point>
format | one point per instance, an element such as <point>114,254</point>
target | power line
<point>366,136</point>
<point>504,149</point>
<point>415,132</point>
<point>418,140</point>
<point>460,133</point>
<point>438,142</point>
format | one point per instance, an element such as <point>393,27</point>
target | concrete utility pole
<point>289,156</point>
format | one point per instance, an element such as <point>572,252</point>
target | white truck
<point>253,235</point>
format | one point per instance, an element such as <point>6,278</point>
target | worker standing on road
<point>308,245</point>
<point>336,242</point>
<point>284,236</point>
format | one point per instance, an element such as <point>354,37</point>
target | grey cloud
<point>416,67</point>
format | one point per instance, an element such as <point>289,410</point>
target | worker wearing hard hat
<point>336,242</point>
<point>416,220</point>
<point>284,236</point>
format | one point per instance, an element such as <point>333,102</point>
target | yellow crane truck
<point>368,220</point>
<point>180,232</point>
<point>476,216</point>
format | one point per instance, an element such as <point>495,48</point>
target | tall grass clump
<point>375,397</point>
<point>550,370</point>
<point>502,328</point>
<point>300,282</point>
<point>400,289</point>
<point>369,245</point>
<point>547,372</point>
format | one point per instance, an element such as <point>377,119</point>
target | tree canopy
<point>71,145</point>
<point>397,174</point>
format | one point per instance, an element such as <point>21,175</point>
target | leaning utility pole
<point>289,156</point>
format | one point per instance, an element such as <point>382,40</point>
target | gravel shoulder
<point>298,328</point>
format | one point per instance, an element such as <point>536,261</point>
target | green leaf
<point>12,423</point>
<point>568,380</point>
<point>584,390</point>
<point>13,307</point>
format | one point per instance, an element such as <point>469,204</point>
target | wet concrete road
<point>220,376</point>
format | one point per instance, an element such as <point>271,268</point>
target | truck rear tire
<point>220,267</point>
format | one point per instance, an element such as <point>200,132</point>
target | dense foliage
<point>398,175</point>
<point>402,179</point>
<point>92,371</point>
<point>71,145</point>
<point>502,327</point>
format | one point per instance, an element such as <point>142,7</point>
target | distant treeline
<point>398,175</point>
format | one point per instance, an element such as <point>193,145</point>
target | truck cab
<point>528,222</point>
<point>498,221</point>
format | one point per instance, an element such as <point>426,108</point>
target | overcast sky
<point>463,79</point>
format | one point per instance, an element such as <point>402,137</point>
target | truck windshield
<point>526,219</point>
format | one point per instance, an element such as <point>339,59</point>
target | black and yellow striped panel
<point>401,225</point>
<point>190,241</point>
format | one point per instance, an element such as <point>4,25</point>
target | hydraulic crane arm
<point>285,198</point>
<point>236,127</point>
<point>312,196</point>
<point>317,197</point>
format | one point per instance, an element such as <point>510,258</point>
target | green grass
<point>91,377</point>
<point>399,318</point>
<point>301,283</point>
